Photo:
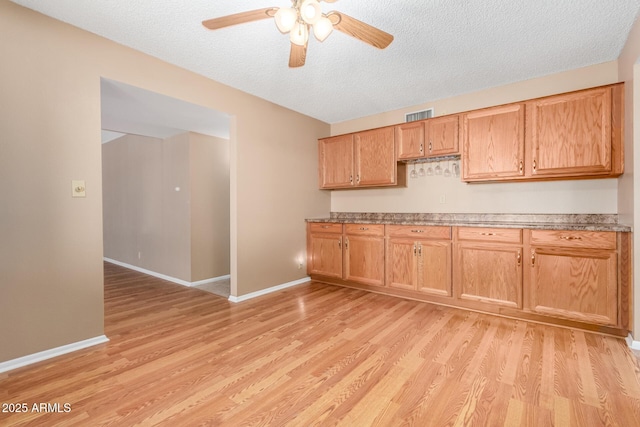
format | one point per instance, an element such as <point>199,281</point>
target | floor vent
<point>419,115</point>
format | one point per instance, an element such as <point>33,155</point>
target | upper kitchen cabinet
<point>442,135</point>
<point>493,143</point>
<point>410,140</point>
<point>375,157</point>
<point>576,134</point>
<point>362,159</point>
<point>428,138</point>
<point>335,156</point>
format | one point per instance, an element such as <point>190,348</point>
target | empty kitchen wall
<point>439,194</point>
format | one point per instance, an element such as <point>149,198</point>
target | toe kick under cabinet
<point>578,279</point>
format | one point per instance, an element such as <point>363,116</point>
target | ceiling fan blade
<point>360,30</point>
<point>240,18</point>
<point>297,56</point>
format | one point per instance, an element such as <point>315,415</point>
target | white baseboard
<point>164,276</point>
<point>48,354</point>
<point>634,345</point>
<point>269,290</point>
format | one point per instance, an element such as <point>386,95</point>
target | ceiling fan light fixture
<point>299,34</point>
<point>310,11</point>
<point>322,28</point>
<point>286,18</point>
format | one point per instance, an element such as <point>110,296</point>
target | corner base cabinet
<point>579,279</point>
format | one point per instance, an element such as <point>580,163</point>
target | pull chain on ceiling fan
<point>299,19</point>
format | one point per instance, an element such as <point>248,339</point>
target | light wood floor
<point>323,355</point>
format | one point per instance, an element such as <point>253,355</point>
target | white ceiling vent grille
<point>418,115</point>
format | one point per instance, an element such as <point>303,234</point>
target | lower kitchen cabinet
<point>488,266</point>
<point>574,275</point>
<point>419,259</point>
<point>572,278</point>
<point>364,254</point>
<point>324,249</point>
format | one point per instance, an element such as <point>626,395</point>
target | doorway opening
<point>166,187</point>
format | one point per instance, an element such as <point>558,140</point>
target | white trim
<point>164,276</point>
<point>212,280</point>
<point>48,354</point>
<point>269,290</point>
<point>634,345</point>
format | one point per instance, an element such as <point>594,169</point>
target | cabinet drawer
<point>502,235</point>
<point>574,239</point>
<point>325,227</point>
<point>364,229</point>
<point>419,231</point>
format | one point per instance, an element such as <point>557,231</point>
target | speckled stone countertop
<point>585,222</point>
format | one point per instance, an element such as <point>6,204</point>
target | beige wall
<point>148,223</point>
<point>51,290</point>
<point>425,194</point>
<point>629,205</point>
<point>209,166</point>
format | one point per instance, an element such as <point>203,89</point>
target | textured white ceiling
<point>442,48</point>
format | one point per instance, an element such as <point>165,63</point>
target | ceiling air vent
<point>418,115</point>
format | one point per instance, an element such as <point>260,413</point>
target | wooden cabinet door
<point>442,135</point>
<point>489,274</point>
<point>364,259</point>
<point>326,254</point>
<point>401,263</point>
<point>410,140</point>
<point>571,134</point>
<point>434,267</point>
<point>375,157</point>
<point>577,284</point>
<point>336,162</point>
<point>493,143</point>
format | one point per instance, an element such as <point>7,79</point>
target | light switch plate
<point>78,188</point>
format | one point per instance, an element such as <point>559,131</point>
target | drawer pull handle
<point>420,250</point>
<point>533,258</point>
<point>414,249</point>
<point>346,243</point>
<point>326,226</point>
<point>519,258</point>
<point>487,234</point>
<point>340,243</point>
<point>571,237</point>
<point>521,167</point>
<point>364,228</point>
<point>417,231</point>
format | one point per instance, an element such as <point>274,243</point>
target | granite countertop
<point>582,222</point>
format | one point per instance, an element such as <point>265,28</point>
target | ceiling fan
<point>299,19</point>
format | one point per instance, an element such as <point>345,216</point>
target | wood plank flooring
<point>318,354</point>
